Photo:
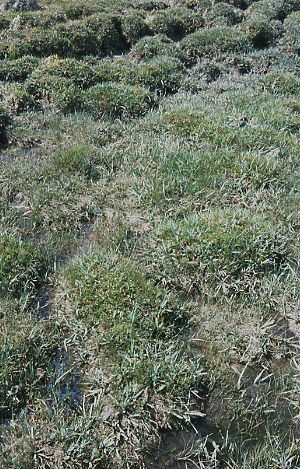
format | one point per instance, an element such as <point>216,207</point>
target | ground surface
<point>149,251</point>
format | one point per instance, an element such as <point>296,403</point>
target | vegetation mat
<point>149,249</point>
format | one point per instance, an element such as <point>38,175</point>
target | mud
<point>44,302</point>
<point>66,387</point>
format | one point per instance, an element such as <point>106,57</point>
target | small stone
<point>108,413</point>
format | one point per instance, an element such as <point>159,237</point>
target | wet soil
<point>222,425</point>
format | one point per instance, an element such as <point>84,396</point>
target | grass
<point>211,42</point>
<point>22,267</point>
<point>223,251</point>
<point>149,249</point>
<point>25,362</point>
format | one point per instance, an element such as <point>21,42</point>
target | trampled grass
<point>149,251</point>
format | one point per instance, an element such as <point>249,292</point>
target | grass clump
<point>116,70</point>
<point>81,159</point>
<point>281,83</point>
<point>46,198</point>
<point>159,45</point>
<point>94,35</point>
<point>261,32</point>
<point>19,69</point>
<point>292,31</point>
<point>174,22</point>
<point>25,364</point>
<point>134,27</point>
<point>206,71</point>
<point>41,19</point>
<point>117,100</point>
<point>274,9</point>
<point>136,327</point>
<point>17,99</point>
<point>214,41</point>
<point>75,11</point>
<point>141,324</point>
<point>181,175</point>
<point>225,13</point>
<point>199,5</point>
<point>160,74</point>
<point>113,292</point>
<point>221,129</point>
<point>23,268</point>
<point>224,251</point>
<point>80,72</point>
<point>54,90</point>
<point>192,20</point>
